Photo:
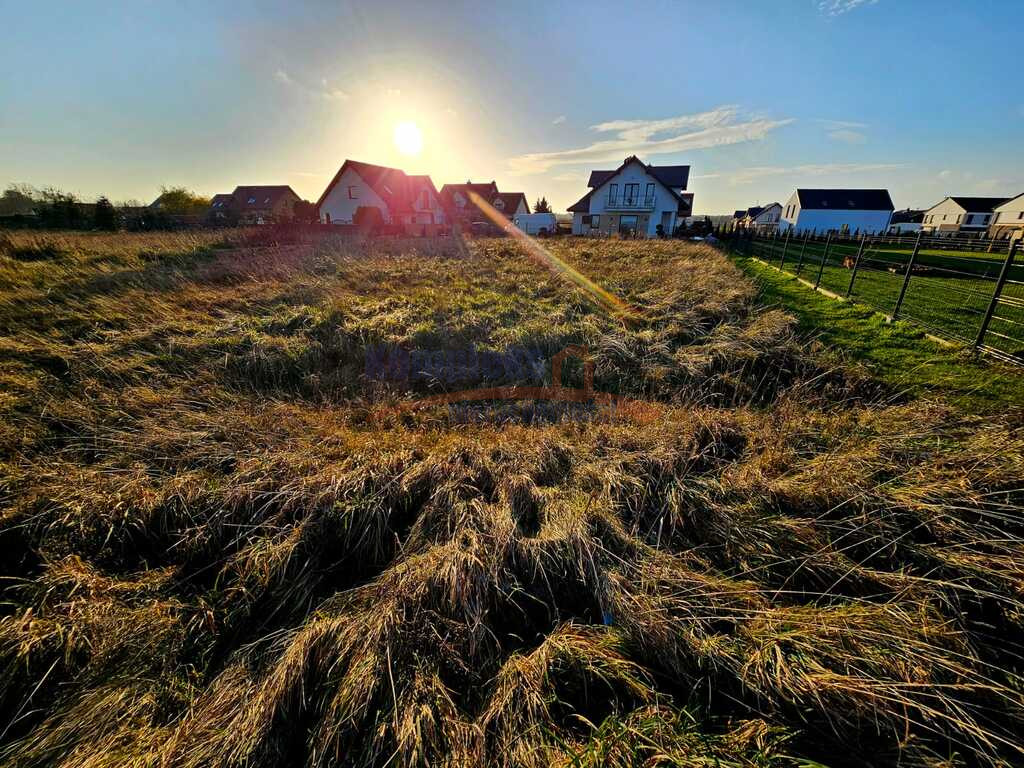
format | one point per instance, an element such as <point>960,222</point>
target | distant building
<point>905,222</point>
<point>961,215</point>
<point>634,200</point>
<point>404,200</point>
<point>1008,218</point>
<point>252,205</point>
<point>458,201</point>
<point>837,210</point>
<point>510,204</point>
<point>761,219</point>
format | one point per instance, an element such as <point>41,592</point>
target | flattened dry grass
<point>217,553</point>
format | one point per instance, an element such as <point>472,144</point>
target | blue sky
<point>758,97</point>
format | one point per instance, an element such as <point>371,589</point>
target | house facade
<point>404,200</point>
<point>961,215</point>
<point>458,202</point>
<point>837,210</point>
<point>1008,219</point>
<point>761,219</point>
<point>261,204</point>
<point>634,200</point>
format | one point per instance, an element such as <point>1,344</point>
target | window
<point>1020,215</point>
<point>985,219</point>
<point>970,219</point>
<point>631,194</point>
<point>613,191</point>
<point>499,204</point>
<point>353,193</point>
<point>628,225</point>
<point>649,193</point>
<point>595,221</point>
<point>266,201</point>
<point>252,200</point>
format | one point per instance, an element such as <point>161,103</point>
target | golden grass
<point>218,553</point>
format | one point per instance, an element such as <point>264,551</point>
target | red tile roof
<point>395,187</point>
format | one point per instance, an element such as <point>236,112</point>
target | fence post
<point>856,265</point>
<point>906,277</point>
<point>824,257</point>
<point>785,245</point>
<point>1004,272</point>
<point>800,263</point>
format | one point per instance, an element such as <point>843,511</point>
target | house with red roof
<point>406,200</point>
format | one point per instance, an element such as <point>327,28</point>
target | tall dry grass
<point>215,556</point>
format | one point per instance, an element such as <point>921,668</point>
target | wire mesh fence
<point>967,289</point>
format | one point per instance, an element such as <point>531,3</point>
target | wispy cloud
<point>839,7</point>
<point>718,127</point>
<point>845,131</point>
<point>749,175</point>
<point>324,91</point>
<point>558,120</point>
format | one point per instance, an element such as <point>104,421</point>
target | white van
<point>536,223</point>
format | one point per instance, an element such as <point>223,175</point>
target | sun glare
<point>408,138</point>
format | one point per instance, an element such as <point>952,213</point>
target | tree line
<point>24,206</point>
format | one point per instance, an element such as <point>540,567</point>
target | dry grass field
<point>220,549</point>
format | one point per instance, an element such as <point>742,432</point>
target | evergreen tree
<point>104,217</point>
<point>542,206</point>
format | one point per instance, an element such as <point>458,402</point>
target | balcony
<point>629,203</point>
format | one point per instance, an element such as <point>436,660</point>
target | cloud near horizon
<point>715,128</point>
<point>749,175</point>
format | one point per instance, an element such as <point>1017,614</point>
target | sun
<point>408,138</point>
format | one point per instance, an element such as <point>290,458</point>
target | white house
<point>961,215</point>
<point>762,219</point>
<point>905,222</point>
<point>633,200</point>
<point>837,210</point>
<point>402,199</point>
<point>1008,218</point>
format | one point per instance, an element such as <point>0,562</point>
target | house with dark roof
<point>509,204</point>
<point>458,201</point>
<point>763,219</point>
<point>961,215</point>
<point>405,200</point>
<point>905,222</point>
<point>634,200</point>
<point>837,210</point>
<point>254,205</point>
<point>1008,218</point>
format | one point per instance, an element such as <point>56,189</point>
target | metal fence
<point>964,289</point>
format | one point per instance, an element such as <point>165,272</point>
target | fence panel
<point>944,284</point>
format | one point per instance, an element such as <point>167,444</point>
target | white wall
<point>787,221</point>
<point>827,220</point>
<point>635,174</point>
<point>342,209</point>
<point>1011,213</point>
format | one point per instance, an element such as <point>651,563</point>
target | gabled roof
<point>397,189</point>
<point>221,201</point>
<point>672,176</point>
<point>739,214</point>
<point>511,201</point>
<point>262,197</point>
<point>978,204</point>
<point>845,199</point>
<point>671,173</point>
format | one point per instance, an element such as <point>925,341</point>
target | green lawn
<point>898,353</point>
<point>949,305</point>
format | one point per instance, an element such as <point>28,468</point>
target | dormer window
<point>252,200</point>
<point>267,201</point>
<point>499,204</point>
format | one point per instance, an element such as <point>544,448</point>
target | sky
<point>759,98</point>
